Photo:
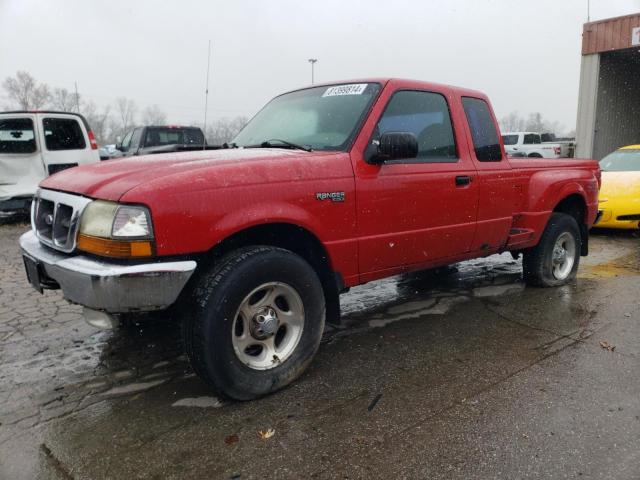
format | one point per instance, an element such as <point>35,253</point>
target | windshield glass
<point>16,136</point>
<point>173,136</point>
<point>323,118</point>
<point>510,139</point>
<point>621,161</point>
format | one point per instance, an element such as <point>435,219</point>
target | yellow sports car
<point>620,191</point>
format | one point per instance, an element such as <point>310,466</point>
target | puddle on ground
<point>626,265</point>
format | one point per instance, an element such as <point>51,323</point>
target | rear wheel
<point>554,261</point>
<point>254,322</point>
<point>535,155</point>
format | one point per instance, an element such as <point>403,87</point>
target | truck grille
<point>55,218</point>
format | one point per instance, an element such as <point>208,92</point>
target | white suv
<point>34,145</point>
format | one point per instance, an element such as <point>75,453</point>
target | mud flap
<point>584,240</point>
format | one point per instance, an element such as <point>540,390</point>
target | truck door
<point>497,188</point>
<point>416,210</point>
<point>65,142</point>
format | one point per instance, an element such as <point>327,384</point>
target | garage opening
<point>618,107</point>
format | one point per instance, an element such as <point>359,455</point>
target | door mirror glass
<point>396,145</point>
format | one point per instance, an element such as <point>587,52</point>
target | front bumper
<point>619,218</point>
<point>15,205</point>
<point>105,285</point>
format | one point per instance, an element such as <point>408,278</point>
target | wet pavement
<point>461,373</point>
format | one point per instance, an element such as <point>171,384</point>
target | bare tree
<point>25,92</point>
<point>64,100</point>
<point>126,112</point>
<point>512,123</point>
<point>224,130</point>
<point>535,123</point>
<point>154,115</point>
<point>99,121</point>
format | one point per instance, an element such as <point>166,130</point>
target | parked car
<point>161,139</point>
<point>620,193</point>
<point>533,145</point>
<point>252,245</point>
<point>34,145</point>
<point>107,152</point>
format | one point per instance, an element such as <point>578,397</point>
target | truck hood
<point>111,179</point>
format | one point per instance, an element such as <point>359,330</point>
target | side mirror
<point>119,146</point>
<point>396,145</point>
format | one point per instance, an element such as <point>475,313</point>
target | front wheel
<point>254,322</point>
<point>554,261</point>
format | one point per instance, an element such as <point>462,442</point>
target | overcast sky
<point>524,54</point>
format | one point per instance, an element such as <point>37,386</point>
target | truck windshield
<point>16,136</point>
<point>322,118</point>
<point>510,139</point>
<point>621,161</point>
<point>156,137</point>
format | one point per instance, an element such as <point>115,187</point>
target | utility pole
<point>77,97</point>
<point>312,61</point>
<point>588,11</point>
<point>206,97</point>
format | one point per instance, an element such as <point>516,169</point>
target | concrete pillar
<point>587,97</point>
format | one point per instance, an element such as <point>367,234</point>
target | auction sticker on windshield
<point>353,89</point>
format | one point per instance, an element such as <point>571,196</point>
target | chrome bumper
<point>111,287</point>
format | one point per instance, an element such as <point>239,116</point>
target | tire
<point>535,155</point>
<point>540,267</point>
<point>236,316</point>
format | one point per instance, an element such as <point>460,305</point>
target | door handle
<point>462,180</point>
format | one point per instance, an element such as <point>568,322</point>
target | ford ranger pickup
<point>327,187</point>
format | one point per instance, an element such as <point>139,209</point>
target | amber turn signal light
<point>115,248</point>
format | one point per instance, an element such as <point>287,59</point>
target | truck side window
<point>528,139</point>
<point>483,130</point>
<point>63,134</point>
<point>126,141</point>
<point>135,138</point>
<point>426,115</point>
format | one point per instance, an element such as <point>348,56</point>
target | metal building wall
<point>609,34</point>
<point>617,115</point>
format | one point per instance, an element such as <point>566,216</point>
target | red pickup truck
<point>327,187</point>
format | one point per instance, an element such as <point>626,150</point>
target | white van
<point>34,145</point>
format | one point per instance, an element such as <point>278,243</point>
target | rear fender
<point>548,188</point>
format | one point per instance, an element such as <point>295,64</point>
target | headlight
<point>113,230</point>
<point>131,222</point>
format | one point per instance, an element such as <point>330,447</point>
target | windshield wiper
<point>269,144</point>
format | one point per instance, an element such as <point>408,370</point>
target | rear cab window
<point>63,134</point>
<point>17,136</point>
<point>484,133</point>
<point>531,139</point>
<point>156,137</point>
